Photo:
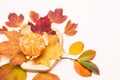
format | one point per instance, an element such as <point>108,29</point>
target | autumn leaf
<point>76,48</point>
<point>52,52</point>
<point>42,25</point>
<point>87,55</point>
<point>53,39</point>
<point>18,59</point>
<point>81,70</point>
<point>10,47</point>
<point>0,57</point>
<point>3,28</point>
<point>57,16</point>
<point>91,66</point>
<point>9,72</point>
<point>46,76</point>
<point>34,16</point>
<point>14,20</point>
<point>70,28</point>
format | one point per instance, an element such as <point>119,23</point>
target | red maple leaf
<point>70,28</point>
<point>14,20</point>
<point>34,16</point>
<point>42,25</point>
<point>57,16</point>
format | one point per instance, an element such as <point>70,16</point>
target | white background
<point>98,28</point>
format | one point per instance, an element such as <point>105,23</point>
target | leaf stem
<point>68,58</point>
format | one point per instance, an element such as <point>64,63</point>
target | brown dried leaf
<point>57,16</point>
<point>18,59</point>
<point>10,47</point>
<point>3,28</point>
<point>70,28</point>
<point>9,72</point>
<point>14,20</point>
<point>34,16</point>
<point>46,76</point>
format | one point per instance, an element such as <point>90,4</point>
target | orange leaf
<point>46,76</point>
<point>57,16</point>
<point>0,57</point>
<point>14,20</point>
<point>82,71</point>
<point>70,28</point>
<point>76,48</point>
<point>34,16</point>
<point>3,28</point>
<point>18,59</point>
<point>10,47</point>
<point>53,39</point>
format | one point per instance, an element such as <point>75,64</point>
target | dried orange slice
<point>32,44</point>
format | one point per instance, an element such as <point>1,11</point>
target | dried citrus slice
<point>32,44</point>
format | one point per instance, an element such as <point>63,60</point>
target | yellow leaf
<point>46,76</point>
<point>76,48</point>
<point>52,52</point>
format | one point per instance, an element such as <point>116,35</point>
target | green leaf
<point>87,55</point>
<point>91,66</point>
<point>9,72</point>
